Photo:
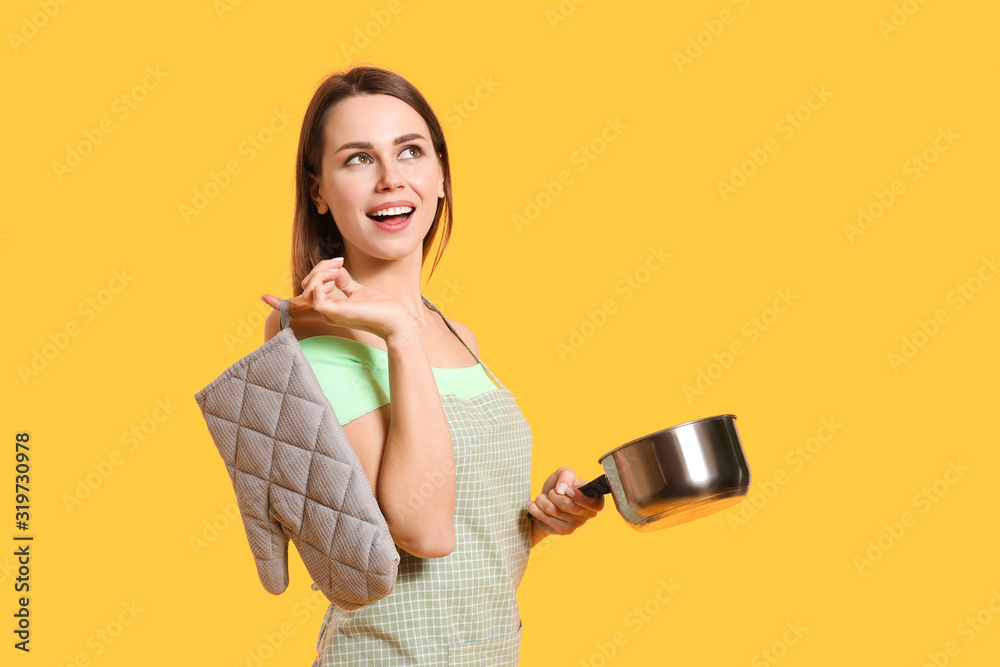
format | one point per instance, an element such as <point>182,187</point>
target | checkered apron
<point>460,609</point>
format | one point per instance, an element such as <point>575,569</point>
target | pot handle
<point>596,488</point>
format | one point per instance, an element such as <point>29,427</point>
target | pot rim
<point>656,433</point>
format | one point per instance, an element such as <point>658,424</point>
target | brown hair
<point>315,237</point>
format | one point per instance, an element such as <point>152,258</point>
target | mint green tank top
<point>355,376</point>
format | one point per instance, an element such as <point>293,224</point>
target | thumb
<point>565,481</point>
<point>345,282</point>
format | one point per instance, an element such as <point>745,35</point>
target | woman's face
<point>378,152</point>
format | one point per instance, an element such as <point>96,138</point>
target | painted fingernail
<point>570,491</point>
<point>562,488</point>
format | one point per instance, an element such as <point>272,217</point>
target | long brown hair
<point>315,237</point>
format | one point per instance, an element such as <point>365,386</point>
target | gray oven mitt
<point>296,476</point>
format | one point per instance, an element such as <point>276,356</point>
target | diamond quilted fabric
<point>296,476</point>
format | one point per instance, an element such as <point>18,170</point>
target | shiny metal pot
<point>675,475</point>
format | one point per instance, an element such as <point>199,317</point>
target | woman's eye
<point>359,156</point>
<point>416,151</point>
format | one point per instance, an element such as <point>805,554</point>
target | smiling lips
<point>392,216</point>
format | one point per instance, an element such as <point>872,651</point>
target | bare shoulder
<point>308,328</point>
<point>466,334</point>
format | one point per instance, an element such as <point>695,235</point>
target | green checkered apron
<point>460,609</point>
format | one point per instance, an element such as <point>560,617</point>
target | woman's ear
<point>317,196</point>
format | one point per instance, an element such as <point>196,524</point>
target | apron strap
<point>474,355</point>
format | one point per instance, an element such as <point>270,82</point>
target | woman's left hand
<point>561,508</point>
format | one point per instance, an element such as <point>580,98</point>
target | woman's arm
<point>401,467</point>
<point>404,447</point>
<point>417,453</point>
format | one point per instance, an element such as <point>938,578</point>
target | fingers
<point>563,475</point>
<point>322,266</point>
<point>565,483</point>
<point>570,506</point>
<point>323,279</point>
<point>561,508</point>
<point>560,514</point>
<point>552,524</point>
<point>346,283</point>
<point>581,499</point>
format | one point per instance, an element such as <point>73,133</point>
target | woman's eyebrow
<point>367,144</point>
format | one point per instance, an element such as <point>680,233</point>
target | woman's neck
<point>398,277</point>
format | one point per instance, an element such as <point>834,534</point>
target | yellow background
<point>555,85</point>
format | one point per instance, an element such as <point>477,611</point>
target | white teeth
<point>398,210</point>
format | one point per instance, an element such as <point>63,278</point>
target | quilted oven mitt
<point>296,476</point>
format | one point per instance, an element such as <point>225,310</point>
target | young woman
<point>442,441</point>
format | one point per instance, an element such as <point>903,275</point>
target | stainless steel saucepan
<point>675,475</point>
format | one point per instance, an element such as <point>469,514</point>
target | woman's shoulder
<point>330,347</point>
<point>466,334</point>
<point>305,330</point>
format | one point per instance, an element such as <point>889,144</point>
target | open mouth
<point>392,216</point>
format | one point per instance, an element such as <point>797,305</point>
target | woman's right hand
<point>365,308</point>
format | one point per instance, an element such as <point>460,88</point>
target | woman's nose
<point>389,177</point>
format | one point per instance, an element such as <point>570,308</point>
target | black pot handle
<point>596,488</point>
